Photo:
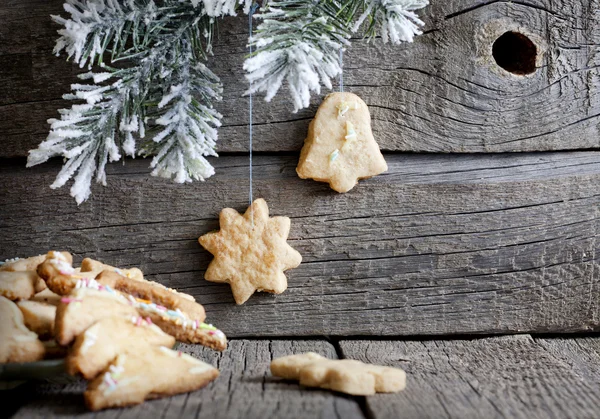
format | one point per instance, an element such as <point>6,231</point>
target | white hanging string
<point>250,197</point>
<point>342,70</point>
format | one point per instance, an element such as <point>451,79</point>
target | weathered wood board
<point>443,93</point>
<point>438,245</point>
<point>503,377</point>
<point>244,389</point>
<point>510,376</point>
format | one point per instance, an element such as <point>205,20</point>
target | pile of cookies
<point>116,328</point>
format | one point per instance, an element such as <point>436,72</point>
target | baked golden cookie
<point>58,272</point>
<point>38,317</point>
<point>18,285</point>
<point>150,374</point>
<point>94,267</point>
<point>152,292</point>
<point>46,296</point>
<point>27,264</point>
<point>86,306</point>
<point>251,252</point>
<point>178,324</point>
<point>345,376</point>
<point>340,148</point>
<point>91,265</point>
<point>98,346</point>
<point>17,343</point>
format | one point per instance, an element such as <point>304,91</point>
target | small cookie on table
<point>98,346</point>
<point>17,343</point>
<point>153,373</point>
<point>344,375</point>
<point>39,317</point>
<point>18,285</point>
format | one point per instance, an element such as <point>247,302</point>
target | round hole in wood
<point>515,53</point>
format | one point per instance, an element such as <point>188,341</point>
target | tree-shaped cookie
<point>340,148</point>
<point>251,252</point>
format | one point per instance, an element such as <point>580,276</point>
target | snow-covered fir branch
<point>149,91</point>
<point>395,20</point>
<point>185,122</point>
<point>298,41</point>
<point>164,48</point>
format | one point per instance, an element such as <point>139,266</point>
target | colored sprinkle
<point>350,132</point>
<point>148,320</point>
<point>139,300</point>
<point>70,300</point>
<point>207,326</point>
<point>333,156</point>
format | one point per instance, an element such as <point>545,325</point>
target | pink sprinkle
<point>211,333</point>
<point>70,300</point>
<point>161,308</point>
<point>148,320</point>
<point>139,321</point>
<point>179,353</point>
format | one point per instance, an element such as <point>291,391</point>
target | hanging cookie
<point>340,148</point>
<point>251,252</point>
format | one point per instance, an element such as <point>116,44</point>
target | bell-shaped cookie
<point>340,148</point>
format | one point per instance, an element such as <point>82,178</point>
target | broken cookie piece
<point>344,375</point>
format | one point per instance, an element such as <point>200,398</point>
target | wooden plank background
<point>470,242</point>
<point>443,93</point>
<point>438,245</point>
<point>501,377</point>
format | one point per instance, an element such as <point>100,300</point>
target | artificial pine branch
<point>152,94</point>
<point>159,50</point>
<point>299,41</point>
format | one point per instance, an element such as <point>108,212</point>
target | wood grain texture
<point>245,389</point>
<point>438,245</point>
<point>503,377</point>
<point>443,93</point>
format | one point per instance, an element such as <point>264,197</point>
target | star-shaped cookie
<point>340,148</point>
<point>251,252</point>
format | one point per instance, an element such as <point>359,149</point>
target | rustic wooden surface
<point>438,245</point>
<point>245,389</point>
<point>501,377</point>
<point>443,93</point>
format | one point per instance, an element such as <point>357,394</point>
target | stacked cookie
<point>119,327</point>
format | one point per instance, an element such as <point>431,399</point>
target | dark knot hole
<point>515,53</point>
